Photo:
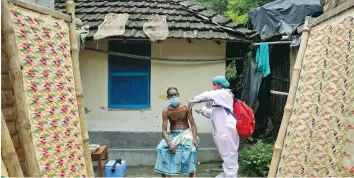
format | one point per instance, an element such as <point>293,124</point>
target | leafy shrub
<point>255,160</point>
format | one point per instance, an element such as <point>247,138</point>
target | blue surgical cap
<point>221,80</point>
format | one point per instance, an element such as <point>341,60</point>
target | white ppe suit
<point>225,134</point>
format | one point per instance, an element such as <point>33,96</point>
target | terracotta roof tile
<point>186,19</point>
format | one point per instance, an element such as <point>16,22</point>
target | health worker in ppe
<point>225,134</point>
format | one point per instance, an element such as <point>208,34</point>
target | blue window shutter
<point>129,78</point>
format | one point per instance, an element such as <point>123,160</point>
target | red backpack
<point>246,122</point>
<point>245,119</point>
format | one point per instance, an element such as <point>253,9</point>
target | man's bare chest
<point>177,114</point>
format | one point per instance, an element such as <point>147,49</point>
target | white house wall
<point>190,78</point>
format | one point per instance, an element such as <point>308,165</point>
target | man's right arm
<point>164,130</point>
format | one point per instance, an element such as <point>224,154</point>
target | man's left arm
<point>194,127</point>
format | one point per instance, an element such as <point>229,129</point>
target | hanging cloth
<point>253,80</point>
<point>113,25</point>
<point>81,34</point>
<point>262,59</point>
<point>156,28</point>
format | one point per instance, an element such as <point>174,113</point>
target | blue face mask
<point>174,101</point>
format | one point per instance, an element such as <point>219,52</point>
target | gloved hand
<point>201,110</point>
<point>191,103</point>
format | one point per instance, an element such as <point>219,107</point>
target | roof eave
<point>140,38</point>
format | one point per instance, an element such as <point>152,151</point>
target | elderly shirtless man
<point>176,153</point>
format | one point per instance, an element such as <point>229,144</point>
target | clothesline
<point>163,59</point>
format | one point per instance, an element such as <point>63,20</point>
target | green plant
<point>231,71</point>
<point>255,160</point>
<point>218,6</point>
<point>237,10</point>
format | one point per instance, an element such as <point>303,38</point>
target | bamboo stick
<point>22,119</point>
<point>8,152</point>
<point>4,172</point>
<point>43,10</point>
<point>279,93</point>
<point>278,147</point>
<point>272,43</point>
<point>70,9</point>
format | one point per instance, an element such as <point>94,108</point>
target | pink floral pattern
<point>44,51</point>
<point>320,137</point>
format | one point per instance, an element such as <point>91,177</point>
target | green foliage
<point>233,77</point>
<point>237,10</point>
<point>218,6</point>
<point>231,71</point>
<point>255,160</point>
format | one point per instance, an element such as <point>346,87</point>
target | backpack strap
<point>228,111</point>
<point>229,92</point>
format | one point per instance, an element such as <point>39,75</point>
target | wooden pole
<point>278,147</point>
<point>8,152</point>
<point>279,93</point>
<point>4,172</point>
<point>272,43</point>
<point>70,9</point>
<point>43,10</point>
<point>22,119</point>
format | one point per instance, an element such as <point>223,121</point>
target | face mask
<point>174,101</point>
<point>216,87</point>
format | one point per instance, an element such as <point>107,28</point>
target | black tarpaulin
<point>281,16</point>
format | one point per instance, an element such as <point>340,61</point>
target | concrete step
<point>138,148</point>
<point>143,140</point>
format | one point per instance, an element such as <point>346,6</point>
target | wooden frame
<point>70,8</point>
<point>3,169</point>
<point>44,10</point>
<point>23,121</point>
<point>8,152</point>
<point>278,147</point>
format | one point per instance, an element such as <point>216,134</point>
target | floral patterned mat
<point>320,136</point>
<point>44,49</point>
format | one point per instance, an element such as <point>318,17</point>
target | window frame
<point>129,74</point>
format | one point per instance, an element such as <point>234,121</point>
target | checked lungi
<point>183,161</point>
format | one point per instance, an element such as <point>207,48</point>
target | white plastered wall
<point>190,78</point>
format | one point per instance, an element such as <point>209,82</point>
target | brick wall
<point>7,108</point>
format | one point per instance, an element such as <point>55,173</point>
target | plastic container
<point>116,168</point>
